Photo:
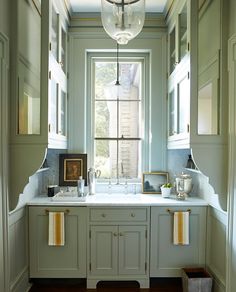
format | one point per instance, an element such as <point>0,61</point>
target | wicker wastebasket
<point>196,280</point>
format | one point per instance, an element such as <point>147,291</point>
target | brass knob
<point>103,215</point>
<point>132,215</point>
<point>115,234</point>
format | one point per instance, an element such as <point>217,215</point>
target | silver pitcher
<point>92,175</point>
<point>183,186</point>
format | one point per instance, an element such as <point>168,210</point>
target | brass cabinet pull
<point>64,211</point>
<point>132,215</point>
<point>115,234</point>
<point>103,215</point>
<point>172,212</point>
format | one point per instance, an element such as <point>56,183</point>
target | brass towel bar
<point>172,212</point>
<point>66,211</point>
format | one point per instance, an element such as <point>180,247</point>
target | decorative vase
<point>165,192</point>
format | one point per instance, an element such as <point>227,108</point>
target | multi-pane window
<point>118,118</point>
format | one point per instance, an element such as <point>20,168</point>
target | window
<point>118,118</point>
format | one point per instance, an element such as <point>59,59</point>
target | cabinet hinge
<point>50,75</point>
<point>188,75</point>
<point>50,46</point>
<point>188,47</point>
<point>146,233</point>
<point>49,128</point>
<point>67,75</point>
<point>90,267</point>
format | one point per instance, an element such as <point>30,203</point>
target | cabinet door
<point>182,33</point>
<point>57,112</point>
<point>183,105</point>
<point>54,32</point>
<point>68,261</point>
<point>132,250</point>
<point>104,250</point>
<point>167,259</point>
<point>179,108</point>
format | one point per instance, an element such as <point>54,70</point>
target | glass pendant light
<point>123,19</point>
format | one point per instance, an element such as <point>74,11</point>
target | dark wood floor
<point>156,285</point>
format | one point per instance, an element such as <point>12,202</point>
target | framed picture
<point>152,182</point>
<point>71,167</point>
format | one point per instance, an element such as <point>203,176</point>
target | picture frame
<point>152,182</point>
<point>71,167</point>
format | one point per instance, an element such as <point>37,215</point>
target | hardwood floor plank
<point>156,285</point>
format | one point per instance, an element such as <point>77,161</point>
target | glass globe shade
<point>123,19</point>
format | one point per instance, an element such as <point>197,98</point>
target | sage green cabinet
<point>167,259</point>
<point>118,245</point>
<point>180,55</point>
<point>68,261</point>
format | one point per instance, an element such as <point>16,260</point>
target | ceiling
<point>94,5</point>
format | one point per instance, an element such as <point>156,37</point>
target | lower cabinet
<point>68,261</point>
<point>167,259</point>
<point>112,243</point>
<point>118,245</point>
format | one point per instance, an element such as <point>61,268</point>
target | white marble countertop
<point>118,200</point>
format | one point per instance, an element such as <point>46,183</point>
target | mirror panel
<point>28,101</point>
<point>207,111</point>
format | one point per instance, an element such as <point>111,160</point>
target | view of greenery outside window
<point>118,119</point>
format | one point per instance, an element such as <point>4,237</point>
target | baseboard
<point>21,283</point>
<point>218,286</point>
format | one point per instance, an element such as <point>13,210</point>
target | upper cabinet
<point>38,105</point>
<point>54,68</point>
<point>179,25</point>
<point>197,86</point>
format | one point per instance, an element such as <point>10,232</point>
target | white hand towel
<point>181,228</point>
<point>56,229</point>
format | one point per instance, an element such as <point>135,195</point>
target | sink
<point>121,197</point>
<point>68,197</point>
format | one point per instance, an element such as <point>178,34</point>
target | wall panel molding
<point>4,76</point>
<point>231,236</point>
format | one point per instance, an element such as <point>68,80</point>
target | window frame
<point>142,57</point>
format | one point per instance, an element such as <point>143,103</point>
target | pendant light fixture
<point>123,19</point>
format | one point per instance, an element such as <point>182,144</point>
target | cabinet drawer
<point>118,214</point>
